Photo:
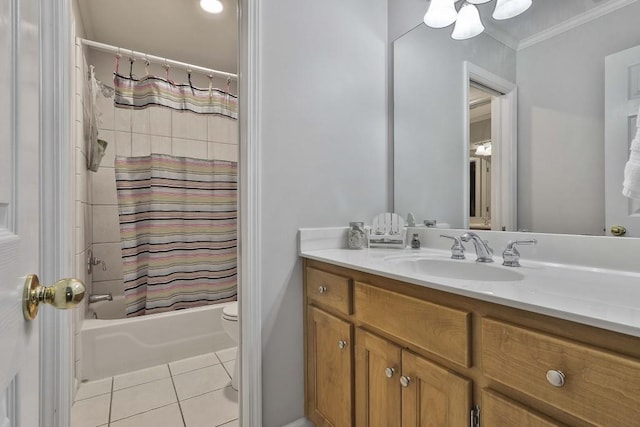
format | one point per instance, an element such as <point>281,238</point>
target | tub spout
<point>100,297</point>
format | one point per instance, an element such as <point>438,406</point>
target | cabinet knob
<point>342,344</point>
<point>405,381</point>
<point>389,372</point>
<point>322,289</point>
<point>556,378</point>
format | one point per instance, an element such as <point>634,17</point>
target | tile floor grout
<point>184,423</point>
<point>190,387</point>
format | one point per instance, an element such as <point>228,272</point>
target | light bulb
<point>211,6</point>
<point>468,23</point>
<point>441,13</point>
<point>506,9</point>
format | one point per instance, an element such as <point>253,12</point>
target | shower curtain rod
<point>157,59</point>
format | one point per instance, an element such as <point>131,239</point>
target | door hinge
<point>475,416</point>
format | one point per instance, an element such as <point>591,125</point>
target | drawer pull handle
<point>556,378</point>
<point>322,289</point>
<point>342,344</point>
<point>389,372</point>
<point>405,381</point>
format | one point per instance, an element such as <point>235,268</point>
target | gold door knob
<point>64,294</point>
<point>618,230</point>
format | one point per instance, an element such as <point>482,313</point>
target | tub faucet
<point>100,297</point>
<point>483,252</point>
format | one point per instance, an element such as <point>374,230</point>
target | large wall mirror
<point>545,156</point>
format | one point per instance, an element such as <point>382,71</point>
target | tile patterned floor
<point>193,392</point>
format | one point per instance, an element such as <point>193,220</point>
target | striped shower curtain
<point>178,228</point>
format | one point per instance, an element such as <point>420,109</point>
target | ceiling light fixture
<point>442,13</point>
<point>468,24</point>
<point>211,6</point>
<point>506,9</point>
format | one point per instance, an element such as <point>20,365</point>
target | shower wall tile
<point>123,119</point>
<point>111,254</point>
<point>140,144</point>
<point>115,287</point>
<point>160,121</point>
<point>81,188</point>
<point>81,237</point>
<point>104,187</point>
<point>79,135</point>
<point>107,113</point>
<point>80,81</point>
<point>140,121</point>
<point>161,144</point>
<point>80,161</point>
<point>106,228</point>
<point>79,111</point>
<point>110,153</point>
<point>189,148</point>
<point>123,144</point>
<point>221,151</point>
<point>222,129</point>
<point>188,126</point>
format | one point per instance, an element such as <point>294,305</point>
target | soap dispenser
<point>415,241</point>
<point>357,237</point>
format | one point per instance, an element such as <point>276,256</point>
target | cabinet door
<point>378,391</point>
<point>329,369</point>
<point>433,396</point>
<point>498,411</point>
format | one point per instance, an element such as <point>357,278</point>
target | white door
<point>29,397</point>
<point>622,100</point>
<point>19,210</point>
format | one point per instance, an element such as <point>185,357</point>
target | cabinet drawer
<point>600,387</point>
<point>435,328</point>
<point>499,411</point>
<point>329,290</point>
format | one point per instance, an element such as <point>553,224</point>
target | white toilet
<point>230,325</point>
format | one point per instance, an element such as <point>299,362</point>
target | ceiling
<point>542,15</point>
<point>173,29</point>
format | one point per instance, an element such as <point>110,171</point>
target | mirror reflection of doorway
<point>480,148</point>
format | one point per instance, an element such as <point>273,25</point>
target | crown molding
<point>576,21</point>
<point>501,36</point>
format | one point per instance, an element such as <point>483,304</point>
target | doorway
<point>480,148</point>
<point>490,141</point>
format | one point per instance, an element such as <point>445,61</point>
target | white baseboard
<point>300,422</point>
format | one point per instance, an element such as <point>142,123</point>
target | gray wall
<point>323,145</point>
<point>561,124</point>
<point>428,118</point>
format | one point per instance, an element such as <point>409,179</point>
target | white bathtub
<point>117,345</point>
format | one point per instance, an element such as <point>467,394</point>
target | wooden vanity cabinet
<point>380,352</point>
<point>330,369</point>
<point>378,390</point>
<point>395,387</point>
<point>329,348</point>
<point>500,411</point>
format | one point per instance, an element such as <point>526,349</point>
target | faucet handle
<point>457,250</point>
<point>511,256</point>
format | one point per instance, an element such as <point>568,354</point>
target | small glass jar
<point>357,236</point>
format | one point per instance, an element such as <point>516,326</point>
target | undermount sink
<point>455,269</point>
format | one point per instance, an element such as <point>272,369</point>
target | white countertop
<point>608,299</point>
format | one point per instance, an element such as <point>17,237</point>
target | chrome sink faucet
<point>483,252</point>
<point>457,250</point>
<point>511,256</point>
